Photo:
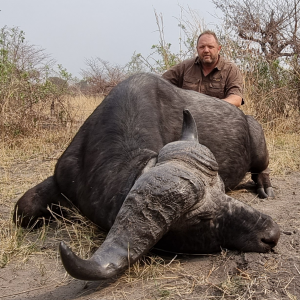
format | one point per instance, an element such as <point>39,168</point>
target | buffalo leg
<point>259,159</point>
<point>35,202</point>
<point>263,184</point>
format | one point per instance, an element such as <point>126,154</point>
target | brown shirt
<point>224,80</point>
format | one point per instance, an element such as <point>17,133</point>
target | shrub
<point>27,94</point>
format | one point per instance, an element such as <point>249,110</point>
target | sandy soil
<point>225,275</point>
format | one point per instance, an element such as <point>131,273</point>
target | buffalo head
<point>177,205</point>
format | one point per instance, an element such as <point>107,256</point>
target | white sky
<point>74,30</point>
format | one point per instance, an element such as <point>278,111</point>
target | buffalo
<point>151,166</point>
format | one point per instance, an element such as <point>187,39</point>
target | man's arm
<point>234,86</point>
<point>175,74</point>
<point>234,99</point>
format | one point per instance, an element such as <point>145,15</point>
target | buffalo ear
<point>189,127</point>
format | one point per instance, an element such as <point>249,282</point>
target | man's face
<point>208,50</point>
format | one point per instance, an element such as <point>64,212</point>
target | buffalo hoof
<point>265,193</point>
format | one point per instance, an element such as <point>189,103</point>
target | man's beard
<point>210,61</point>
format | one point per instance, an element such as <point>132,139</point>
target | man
<point>209,73</point>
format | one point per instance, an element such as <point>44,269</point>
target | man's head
<point>208,48</point>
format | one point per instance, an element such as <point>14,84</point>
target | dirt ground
<point>225,275</point>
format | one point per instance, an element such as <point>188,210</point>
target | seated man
<point>209,73</point>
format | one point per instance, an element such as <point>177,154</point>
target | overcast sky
<point>74,30</point>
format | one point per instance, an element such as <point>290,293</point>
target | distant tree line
<point>261,36</point>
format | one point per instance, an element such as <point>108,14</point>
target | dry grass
<point>284,149</point>
<point>25,162</point>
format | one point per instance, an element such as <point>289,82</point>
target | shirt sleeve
<point>175,75</point>
<point>234,82</point>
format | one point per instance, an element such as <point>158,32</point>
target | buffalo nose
<point>272,236</point>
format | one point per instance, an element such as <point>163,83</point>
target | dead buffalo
<point>137,172</point>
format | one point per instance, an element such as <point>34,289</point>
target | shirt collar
<point>220,63</point>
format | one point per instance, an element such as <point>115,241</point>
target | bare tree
<point>271,24</point>
<point>23,57</point>
<point>267,36</point>
<point>101,77</point>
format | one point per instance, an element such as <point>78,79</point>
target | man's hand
<point>234,99</point>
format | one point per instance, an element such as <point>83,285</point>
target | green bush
<point>27,95</point>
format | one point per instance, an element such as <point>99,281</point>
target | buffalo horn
<point>189,127</point>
